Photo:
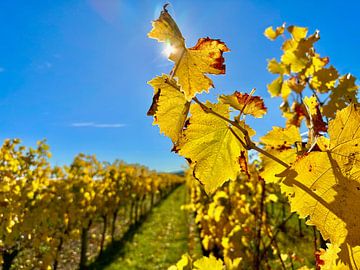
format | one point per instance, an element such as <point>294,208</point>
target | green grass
<point>156,243</point>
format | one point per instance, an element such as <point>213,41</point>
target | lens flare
<point>168,50</point>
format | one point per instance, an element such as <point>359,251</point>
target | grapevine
<point>318,173</point>
<point>44,209</point>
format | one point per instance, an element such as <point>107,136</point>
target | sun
<point>168,50</point>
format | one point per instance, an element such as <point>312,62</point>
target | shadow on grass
<point>116,250</point>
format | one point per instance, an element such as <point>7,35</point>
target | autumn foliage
<point>318,172</point>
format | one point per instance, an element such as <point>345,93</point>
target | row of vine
<point>45,209</point>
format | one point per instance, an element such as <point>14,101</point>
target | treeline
<point>46,209</point>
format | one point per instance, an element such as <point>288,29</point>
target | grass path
<point>159,241</point>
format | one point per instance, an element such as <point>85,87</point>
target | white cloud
<point>96,125</point>
<point>109,125</point>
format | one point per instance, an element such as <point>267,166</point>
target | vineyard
<point>287,200</point>
<point>59,218</point>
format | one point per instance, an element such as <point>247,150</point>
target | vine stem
<point>276,246</point>
<point>248,144</point>
<point>317,97</point>
<point>259,225</point>
<point>265,153</point>
<point>173,71</point>
<point>278,229</point>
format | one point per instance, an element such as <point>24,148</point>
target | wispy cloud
<point>44,65</point>
<point>97,125</point>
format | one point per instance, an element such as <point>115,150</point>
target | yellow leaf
<point>344,93</point>
<point>271,169</point>
<point>329,258</point>
<point>284,257</point>
<point>317,64</point>
<point>285,89</point>
<point>272,198</point>
<point>245,103</point>
<point>297,32</point>
<point>344,134</point>
<point>312,104</point>
<point>272,34</point>
<point>166,30</point>
<point>183,264</point>
<point>207,263</point>
<point>325,186</point>
<point>218,213</point>
<point>190,64</point>
<point>296,61</point>
<point>275,67</point>
<point>171,107</point>
<point>296,84</point>
<point>279,87</point>
<point>206,241</point>
<point>212,146</point>
<point>281,137</point>
<point>275,86</point>
<point>323,143</point>
<point>281,143</point>
<point>298,50</point>
<point>324,79</point>
<point>295,114</point>
<point>232,264</point>
<point>313,108</point>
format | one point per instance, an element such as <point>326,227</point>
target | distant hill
<point>180,173</point>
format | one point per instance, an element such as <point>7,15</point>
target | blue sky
<point>75,72</point>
